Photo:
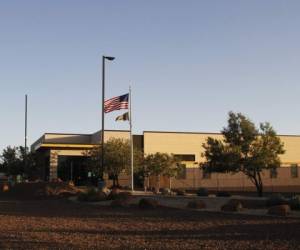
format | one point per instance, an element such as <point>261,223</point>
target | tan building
<point>64,155</point>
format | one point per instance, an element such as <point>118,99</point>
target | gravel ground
<point>61,224</point>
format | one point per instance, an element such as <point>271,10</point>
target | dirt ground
<point>61,224</point>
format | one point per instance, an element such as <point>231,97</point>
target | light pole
<point>110,58</point>
<point>25,137</point>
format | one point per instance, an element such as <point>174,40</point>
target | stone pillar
<point>53,164</point>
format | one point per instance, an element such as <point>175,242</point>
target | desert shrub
<point>276,199</point>
<point>251,203</point>
<point>180,192</point>
<point>294,202</point>
<point>146,203</point>
<point>223,194</point>
<point>232,206</point>
<point>113,194</point>
<point>281,210</point>
<point>196,204</point>
<point>92,195</point>
<point>123,196</point>
<point>165,191</point>
<point>202,192</point>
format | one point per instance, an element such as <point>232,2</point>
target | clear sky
<point>189,63</point>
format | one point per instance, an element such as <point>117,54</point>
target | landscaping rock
<point>165,191</point>
<point>113,194</point>
<point>119,203</point>
<point>196,204</point>
<point>92,196</point>
<point>232,206</point>
<point>147,203</point>
<point>280,210</point>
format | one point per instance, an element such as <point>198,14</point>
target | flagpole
<point>131,141</point>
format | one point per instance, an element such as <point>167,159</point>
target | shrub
<point>180,192</point>
<point>195,204</point>
<point>123,196</point>
<point>276,199</point>
<point>202,192</point>
<point>146,203</point>
<point>92,195</point>
<point>232,206</point>
<point>223,194</point>
<point>165,191</point>
<point>281,210</point>
<point>294,202</point>
<point>113,194</point>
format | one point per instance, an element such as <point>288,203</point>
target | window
<point>206,175</point>
<point>182,172</point>
<point>185,157</point>
<point>273,173</point>
<point>294,171</point>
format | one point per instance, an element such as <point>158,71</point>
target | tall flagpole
<point>25,138</point>
<point>131,141</point>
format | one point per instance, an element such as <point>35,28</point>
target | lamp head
<point>110,58</point>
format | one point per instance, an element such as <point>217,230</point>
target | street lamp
<point>109,58</point>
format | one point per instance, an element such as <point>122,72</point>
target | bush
<point>281,210</point>
<point>180,192</point>
<point>92,195</point>
<point>276,200</point>
<point>146,203</point>
<point>113,194</point>
<point>202,192</point>
<point>195,204</point>
<point>232,206</point>
<point>294,202</point>
<point>165,191</point>
<point>223,194</point>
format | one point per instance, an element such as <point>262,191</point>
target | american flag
<point>116,103</point>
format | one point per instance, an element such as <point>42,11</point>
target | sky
<point>188,63</point>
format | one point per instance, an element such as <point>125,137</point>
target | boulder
<point>280,210</point>
<point>119,203</point>
<point>232,206</point>
<point>196,204</point>
<point>147,203</point>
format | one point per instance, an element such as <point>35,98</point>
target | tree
<point>13,162</point>
<point>161,164</point>
<point>244,148</point>
<point>116,158</point>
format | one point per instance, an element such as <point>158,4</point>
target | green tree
<point>117,158</point>
<point>161,164</point>
<point>244,148</point>
<point>14,162</point>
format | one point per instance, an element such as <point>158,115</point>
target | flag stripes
<point>116,103</point>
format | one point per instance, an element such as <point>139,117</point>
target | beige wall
<point>191,143</point>
<point>67,138</point>
<point>96,137</point>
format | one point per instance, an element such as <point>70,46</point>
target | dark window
<point>273,173</point>
<point>294,171</point>
<point>182,172</point>
<point>206,175</point>
<point>185,157</point>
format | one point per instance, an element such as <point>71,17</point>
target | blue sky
<point>189,63</point>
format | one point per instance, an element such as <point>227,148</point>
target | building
<point>64,156</point>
